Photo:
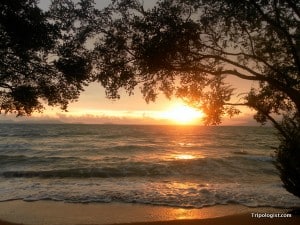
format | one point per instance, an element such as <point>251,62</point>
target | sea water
<point>180,166</point>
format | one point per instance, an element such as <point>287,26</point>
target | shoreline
<point>60,213</point>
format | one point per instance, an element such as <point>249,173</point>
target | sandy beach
<point>232,220</point>
<point>59,213</point>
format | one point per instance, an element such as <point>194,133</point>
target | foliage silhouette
<point>189,49</point>
<point>179,47</point>
<point>43,60</point>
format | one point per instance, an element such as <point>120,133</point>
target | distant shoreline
<point>58,122</point>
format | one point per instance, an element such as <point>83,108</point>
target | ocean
<point>178,166</point>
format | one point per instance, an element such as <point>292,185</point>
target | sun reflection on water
<point>185,156</point>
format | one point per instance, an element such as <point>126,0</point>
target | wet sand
<point>59,213</point>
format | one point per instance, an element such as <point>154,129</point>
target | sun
<point>183,114</point>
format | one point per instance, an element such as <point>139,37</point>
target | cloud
<point>116,117</point>
<point>127,118</point>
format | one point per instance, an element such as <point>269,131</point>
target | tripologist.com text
<point>271,215</point>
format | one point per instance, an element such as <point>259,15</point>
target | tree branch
<point>275,123</point>
<point>294,7</point>
<point>258,76</point>
<point>254,56</point>
<point>237,104</point>
<point>7,86</point>
<point>280,30</point>
<point>290,91</point>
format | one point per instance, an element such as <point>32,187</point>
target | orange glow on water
<point>185,156</point>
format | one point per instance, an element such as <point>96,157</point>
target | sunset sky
<point>93,107</point>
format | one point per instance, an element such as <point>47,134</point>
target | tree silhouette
<point>189,48</point>
<point>43,59</point>
<point>184,48</point>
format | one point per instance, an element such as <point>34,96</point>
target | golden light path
<point>185,156</point>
